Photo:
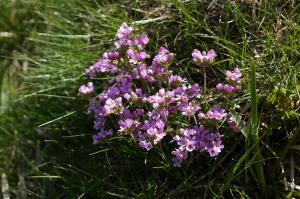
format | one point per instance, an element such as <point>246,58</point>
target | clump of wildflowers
<point>142,99</point>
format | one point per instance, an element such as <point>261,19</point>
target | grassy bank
<point>45,132</point>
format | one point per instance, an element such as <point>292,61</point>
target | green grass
<point>45,134</point>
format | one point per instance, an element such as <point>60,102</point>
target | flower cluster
<point>233,77</point>
<point>143,99</point>
<point>203,58</point>
<point>196,139</point>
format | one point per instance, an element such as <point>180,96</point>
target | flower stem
<point>204,82</point>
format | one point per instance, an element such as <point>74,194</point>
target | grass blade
<point>254,130</point>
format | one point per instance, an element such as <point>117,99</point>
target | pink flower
<point>216,113</point>
<point>86,89</point>
<point>176,80</point>
<point>101,136</point>
<point>233,75</point>
<point>146,145</point>
<point>227,89</point>
<point>203,58</point>
<point>190,109</point>
<point>142,40</point>
<point>112,105</point>
<point>124,31</point>
<point>163,58</point>
<point>179,155</point>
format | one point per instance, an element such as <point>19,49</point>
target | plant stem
<point>204,83</point>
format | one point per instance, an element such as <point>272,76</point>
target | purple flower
<point>101,135</point>
<point>216,113</point>
<point>112,105</point>
<point>213,144</point>
<point>233,78</point>
<point>203,58</point>
<point>156,131</point>
<point>86,89</point>
<point>220,87</point>
<point>176,80</point>
<point>101,66</point>
<point>111,55</point>
<point>135,96</point>
<point>158,137</point>
<point>186,140</point>
<point>161,98</point>
<point>136,57</point>
<point>127,125</point>
<point>190,145</point>
<point>179,156</point>
<point>215,149</point>
<point>155,126</point>
<point>138,113</point>
<point>138,95</point>
<point>124,36</point>
<point>190,109</point>
<point>163,58</point>
<point>199,139</point>
<point>201,115</point>
<point>112,92</point>
<point>124,31</point>
<point>187,132</point>
<point>237,88</point>
<point>125,84</point>
<point>99,122</point>
<point>160,124</point>
<point>146,145</point>
<point>145,73</point>
<point>226,89</point>
<point>234,75</point>
<point>142,40</point>
<point>152,131</point>
<point>190,91</point>
<point>123,43</point>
